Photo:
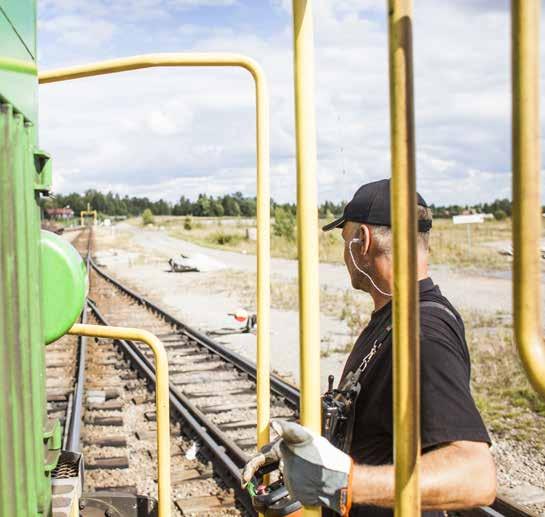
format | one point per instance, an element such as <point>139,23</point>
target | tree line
<point>230,205</point>
<point>500,208</point>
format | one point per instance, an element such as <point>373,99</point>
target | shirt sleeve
<point>448,411</point>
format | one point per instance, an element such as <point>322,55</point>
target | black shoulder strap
<point>438,305</point>
<point>385,332</point>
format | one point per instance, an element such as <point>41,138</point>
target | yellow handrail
<point>307,219</point>
<point>406,351</point>
<point>263,193</point>
<point>527,219</point>
<point>161,398</point>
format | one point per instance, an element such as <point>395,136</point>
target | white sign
<point>468,219</point>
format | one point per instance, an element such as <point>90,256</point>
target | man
<point>457,469</point>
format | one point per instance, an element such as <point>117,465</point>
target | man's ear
<point>365,237</point>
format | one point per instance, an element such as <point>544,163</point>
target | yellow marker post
<point>263,190</point>
<point>161,398</point>
<point>406,351</point>
<point>307,219</point>
<point>527,219</point>
<point>84,213</point>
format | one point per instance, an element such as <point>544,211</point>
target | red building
<point>59,213</point>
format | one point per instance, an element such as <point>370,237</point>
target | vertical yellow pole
<point>527,219</point>
<point>406,357</point>
<point>263,261</point>
<point>307,218</point>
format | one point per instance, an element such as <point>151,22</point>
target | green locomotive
<point>35,308</point>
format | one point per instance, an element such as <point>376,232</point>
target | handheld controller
<point>272,500</point>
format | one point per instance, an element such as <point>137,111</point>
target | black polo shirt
<point>448,412</point>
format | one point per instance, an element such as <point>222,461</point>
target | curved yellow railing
<point>527,218</point>
<point>263,190</point>
<point>161,398</point>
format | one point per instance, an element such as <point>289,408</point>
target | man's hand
<point>315,472</point>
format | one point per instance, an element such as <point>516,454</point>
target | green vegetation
<point>449,242</point>
<point>500,215</point>
<point>284,224</point>
<point>228,205</point>
<point>224,239</point>
<point>147,217</point>
<point>509,405</point>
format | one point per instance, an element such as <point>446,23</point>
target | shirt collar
<point>426,285</point>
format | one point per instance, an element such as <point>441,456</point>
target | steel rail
<point>73,426</point>
<point>220,59</point>
<point>279,387</point>
<point>223,451</point>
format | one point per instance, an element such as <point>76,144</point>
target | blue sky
<point>166,133</point>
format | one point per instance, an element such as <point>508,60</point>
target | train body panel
<point>18,72</point>
<point>26,436</point>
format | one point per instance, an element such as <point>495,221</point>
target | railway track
<point>212,390</point>
<point>212,394</point>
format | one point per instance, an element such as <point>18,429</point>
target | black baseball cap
<point>371,205</point>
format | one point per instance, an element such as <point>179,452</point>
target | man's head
<point>366,230</point>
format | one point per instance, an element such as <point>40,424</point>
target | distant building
<point>59,213</point>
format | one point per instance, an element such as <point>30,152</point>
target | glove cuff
<point>346,494</point>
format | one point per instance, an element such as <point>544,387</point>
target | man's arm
<point>457,475</point>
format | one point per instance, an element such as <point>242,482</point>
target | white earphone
<point>362,271</point>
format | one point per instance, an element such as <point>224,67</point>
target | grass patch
<point>224,239</point>
<point>508,404</point>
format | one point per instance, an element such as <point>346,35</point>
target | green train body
<point>29,443</point>
<point>31,312</point>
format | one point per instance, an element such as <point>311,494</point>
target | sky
<point>173,132</point>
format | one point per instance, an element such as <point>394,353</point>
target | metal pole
<point>527,219</point>
<point>307,219</point>
<point>263,191</point>
<point>161,398</point>
<point>406,356</point>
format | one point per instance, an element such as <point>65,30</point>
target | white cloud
<point>166,132</point>
<point>75,30</point>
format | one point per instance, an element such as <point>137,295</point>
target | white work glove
<point>315,472</point>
